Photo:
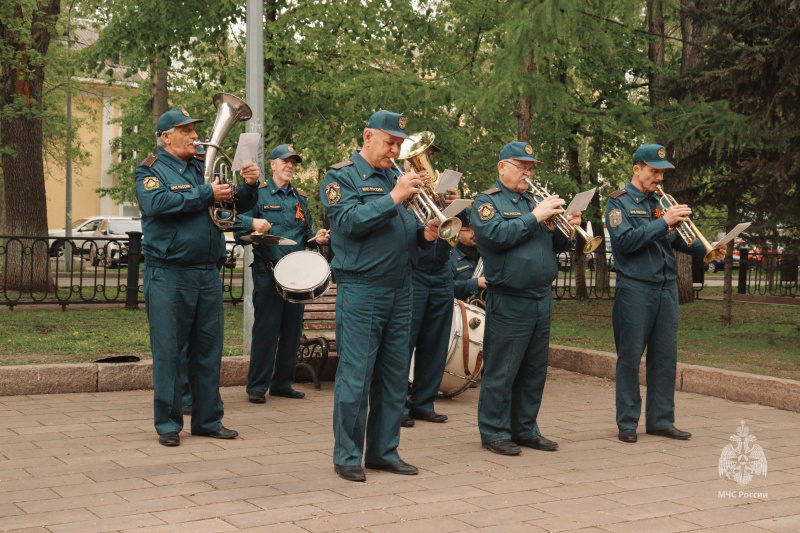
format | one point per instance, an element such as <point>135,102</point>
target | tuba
<point>230,110</point>
<point>561,222</point>
<point>427,204</point>
<point>479,299</point>
<point>687,230</point>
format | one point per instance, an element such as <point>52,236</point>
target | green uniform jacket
<point>463,267</point>
<point>279,208</point>
<point>640,240</point>
<point>375,242</point>
<point>174,202</point>
<point>519,253</point>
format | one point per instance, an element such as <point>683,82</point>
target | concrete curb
<point>105,377</point>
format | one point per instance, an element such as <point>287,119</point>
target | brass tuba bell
<point>230,110</point>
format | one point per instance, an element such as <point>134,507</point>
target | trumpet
<point>426,210</point>
<point>687,230</point>
<point>230,110</point>
<point>561,222</point>
<point>480,298</point>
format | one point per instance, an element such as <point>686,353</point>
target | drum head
<point>302,271</point>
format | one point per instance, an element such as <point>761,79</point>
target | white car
<point>113,252</point>
<point>81,229</point>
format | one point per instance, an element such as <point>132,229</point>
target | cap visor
<point>189,121</point>
<point>395,133</point>
<point>526,158</point>
<point>660,164</point>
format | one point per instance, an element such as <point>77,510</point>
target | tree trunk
<point>579,259</point>
<point>24,201</point>
<point>655,51</point>
<point>160,91</point>
<point>524,112</point>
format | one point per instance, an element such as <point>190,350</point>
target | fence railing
<point>89,270</point>
<point>102,270</point>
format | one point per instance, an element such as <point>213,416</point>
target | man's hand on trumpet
<point>432,230</point>
<point>407,185</point>
<point>677,213</point>
<point>574,218</point>
<point>548,207</point>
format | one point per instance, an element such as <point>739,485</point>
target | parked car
<point>113,253</point>
<point>718,265</point>
<point>81,229</point>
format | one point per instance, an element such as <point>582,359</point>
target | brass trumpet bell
<point>687,230</point>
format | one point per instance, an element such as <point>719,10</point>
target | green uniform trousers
<point>431,320</point>
<point>277,328</point>
<point>516,340</point>
<point>372,331</point>
<point>184,309</point>
<point>646,315</point>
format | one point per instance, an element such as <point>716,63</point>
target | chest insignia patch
<point>151,183</point>
<point>459,269</point>
<point>512,213</point>
<point>638,212</point>
<point>486,211</point>
<point>271,207</point>
<point>615,218</point>
<point>177,187</point>
<point>333,192</point>
<point>371,189</point>
<point>658,213</point>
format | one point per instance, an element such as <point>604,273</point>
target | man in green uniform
<point>646,299</point>
<point>375,241</point>
<point>281,210</point>
<point>463,260</point>
<point>519,246</point>
<point>183,252</point>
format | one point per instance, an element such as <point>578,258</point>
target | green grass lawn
<point>763,338</point>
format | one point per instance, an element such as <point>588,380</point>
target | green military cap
<point>391,123</point>
<point>175,117</point>
<point>654,155</point>
<point>284,151</point>
<point>518,150</point>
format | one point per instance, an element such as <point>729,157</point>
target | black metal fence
<point>93,270</point>
<point>100,270</point>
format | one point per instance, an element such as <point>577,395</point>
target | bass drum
<point>302,277</point>
<point>465,351</point>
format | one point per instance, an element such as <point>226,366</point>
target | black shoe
<point>503,447</point>
<point>170,439</point>
<point>288,393</point>
<point>670,433</point>
<point>406,422</point>
<point>221,433</point>
<point>628,435</point>
<point>398,467</point>
<point>429,416</point>
<point>256,397</point>
<point>538,443</point>
<point>186,409</point>
<point>350,473</point>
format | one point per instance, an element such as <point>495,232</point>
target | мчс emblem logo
<point>662,153</point>
<point>528,149</point>
<point>150,183</point>
<point>486,211</point>
<point>333,192</point>
<point>615,218</point>
<point>742,460</point>
<point>402,122</point>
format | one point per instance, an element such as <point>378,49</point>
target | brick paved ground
<point>91,463</point>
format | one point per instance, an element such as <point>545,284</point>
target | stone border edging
<point>106,377</point>
<point>726,384</point>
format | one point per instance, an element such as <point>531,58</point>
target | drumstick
<point>314,238</point>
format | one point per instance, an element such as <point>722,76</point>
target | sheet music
<point>245,150</point>
<point>580,202</point>
<point>456,207</point>
<point>733,234</point>
<point>447,180</point>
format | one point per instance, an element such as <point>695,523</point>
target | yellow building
<point>92,106</point>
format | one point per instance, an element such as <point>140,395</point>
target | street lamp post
<point>68,197</point>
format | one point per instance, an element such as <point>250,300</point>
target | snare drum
<point>463,365</point>
<point>302,277</point>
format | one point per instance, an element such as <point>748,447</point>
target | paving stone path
<point>91,463</point>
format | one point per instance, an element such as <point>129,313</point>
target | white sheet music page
<point>580,202</point>
<point>245,150</point>
<point>733,234</point>
<point>447,180</point>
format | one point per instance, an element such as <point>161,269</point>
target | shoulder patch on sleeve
<point>486,211</point>
<point>341,164</point>
<point>616,194</point>
<point>149,161</point>
<point>333,193</point>
<point>150,183</point>
<point>491,191</point>
<point>301,192</point>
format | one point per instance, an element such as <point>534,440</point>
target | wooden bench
<point>319,336</point>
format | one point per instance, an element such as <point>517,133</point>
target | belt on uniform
<point>664,284</point>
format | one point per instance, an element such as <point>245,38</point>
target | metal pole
<point>68,199</point>
<point>255,99</point>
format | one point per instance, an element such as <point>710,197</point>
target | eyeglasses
<point>523,169</point>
